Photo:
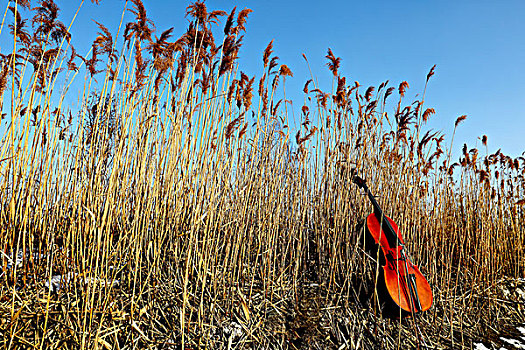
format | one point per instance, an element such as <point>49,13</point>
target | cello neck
<point>377,208</point>
<point>388,230</point>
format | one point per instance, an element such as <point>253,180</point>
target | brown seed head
<point>459,120</point>
<point>333,62</point>
<point>229,22</point>
<point>431,73</point>
<point>428,112</point>
<point>267,52</point>
<point>402,88</point>
<point>305,89</point>
<point>285,71</point>
<point>369,92</point>
<point>241,19</point>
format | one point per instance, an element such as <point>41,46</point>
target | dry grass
<point>179,214</point>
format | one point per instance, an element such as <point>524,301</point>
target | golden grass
<point>180,215</point>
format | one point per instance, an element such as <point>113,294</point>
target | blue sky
<point>478,48</point>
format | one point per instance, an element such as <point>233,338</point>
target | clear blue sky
<point>478,47</point>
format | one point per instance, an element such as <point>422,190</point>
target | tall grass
<point>181,210</point>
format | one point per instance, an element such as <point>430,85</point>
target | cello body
<point>404,282</point>
<point>406,285</point>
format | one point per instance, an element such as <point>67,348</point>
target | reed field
<point>180,207</point>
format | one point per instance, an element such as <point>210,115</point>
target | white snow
<point>514,342</point>
<point>58,282</point>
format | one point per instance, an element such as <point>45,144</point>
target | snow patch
<point>480,346</point>
<point>514,342</point>
<point>58,282</point>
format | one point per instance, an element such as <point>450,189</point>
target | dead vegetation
<point>178,210</point>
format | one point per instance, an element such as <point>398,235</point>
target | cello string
<point>406,285</point>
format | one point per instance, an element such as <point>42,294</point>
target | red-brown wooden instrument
<point>406,285</point>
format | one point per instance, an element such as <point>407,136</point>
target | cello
<point>406,285</point>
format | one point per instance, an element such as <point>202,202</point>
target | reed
<point>180,209</point>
